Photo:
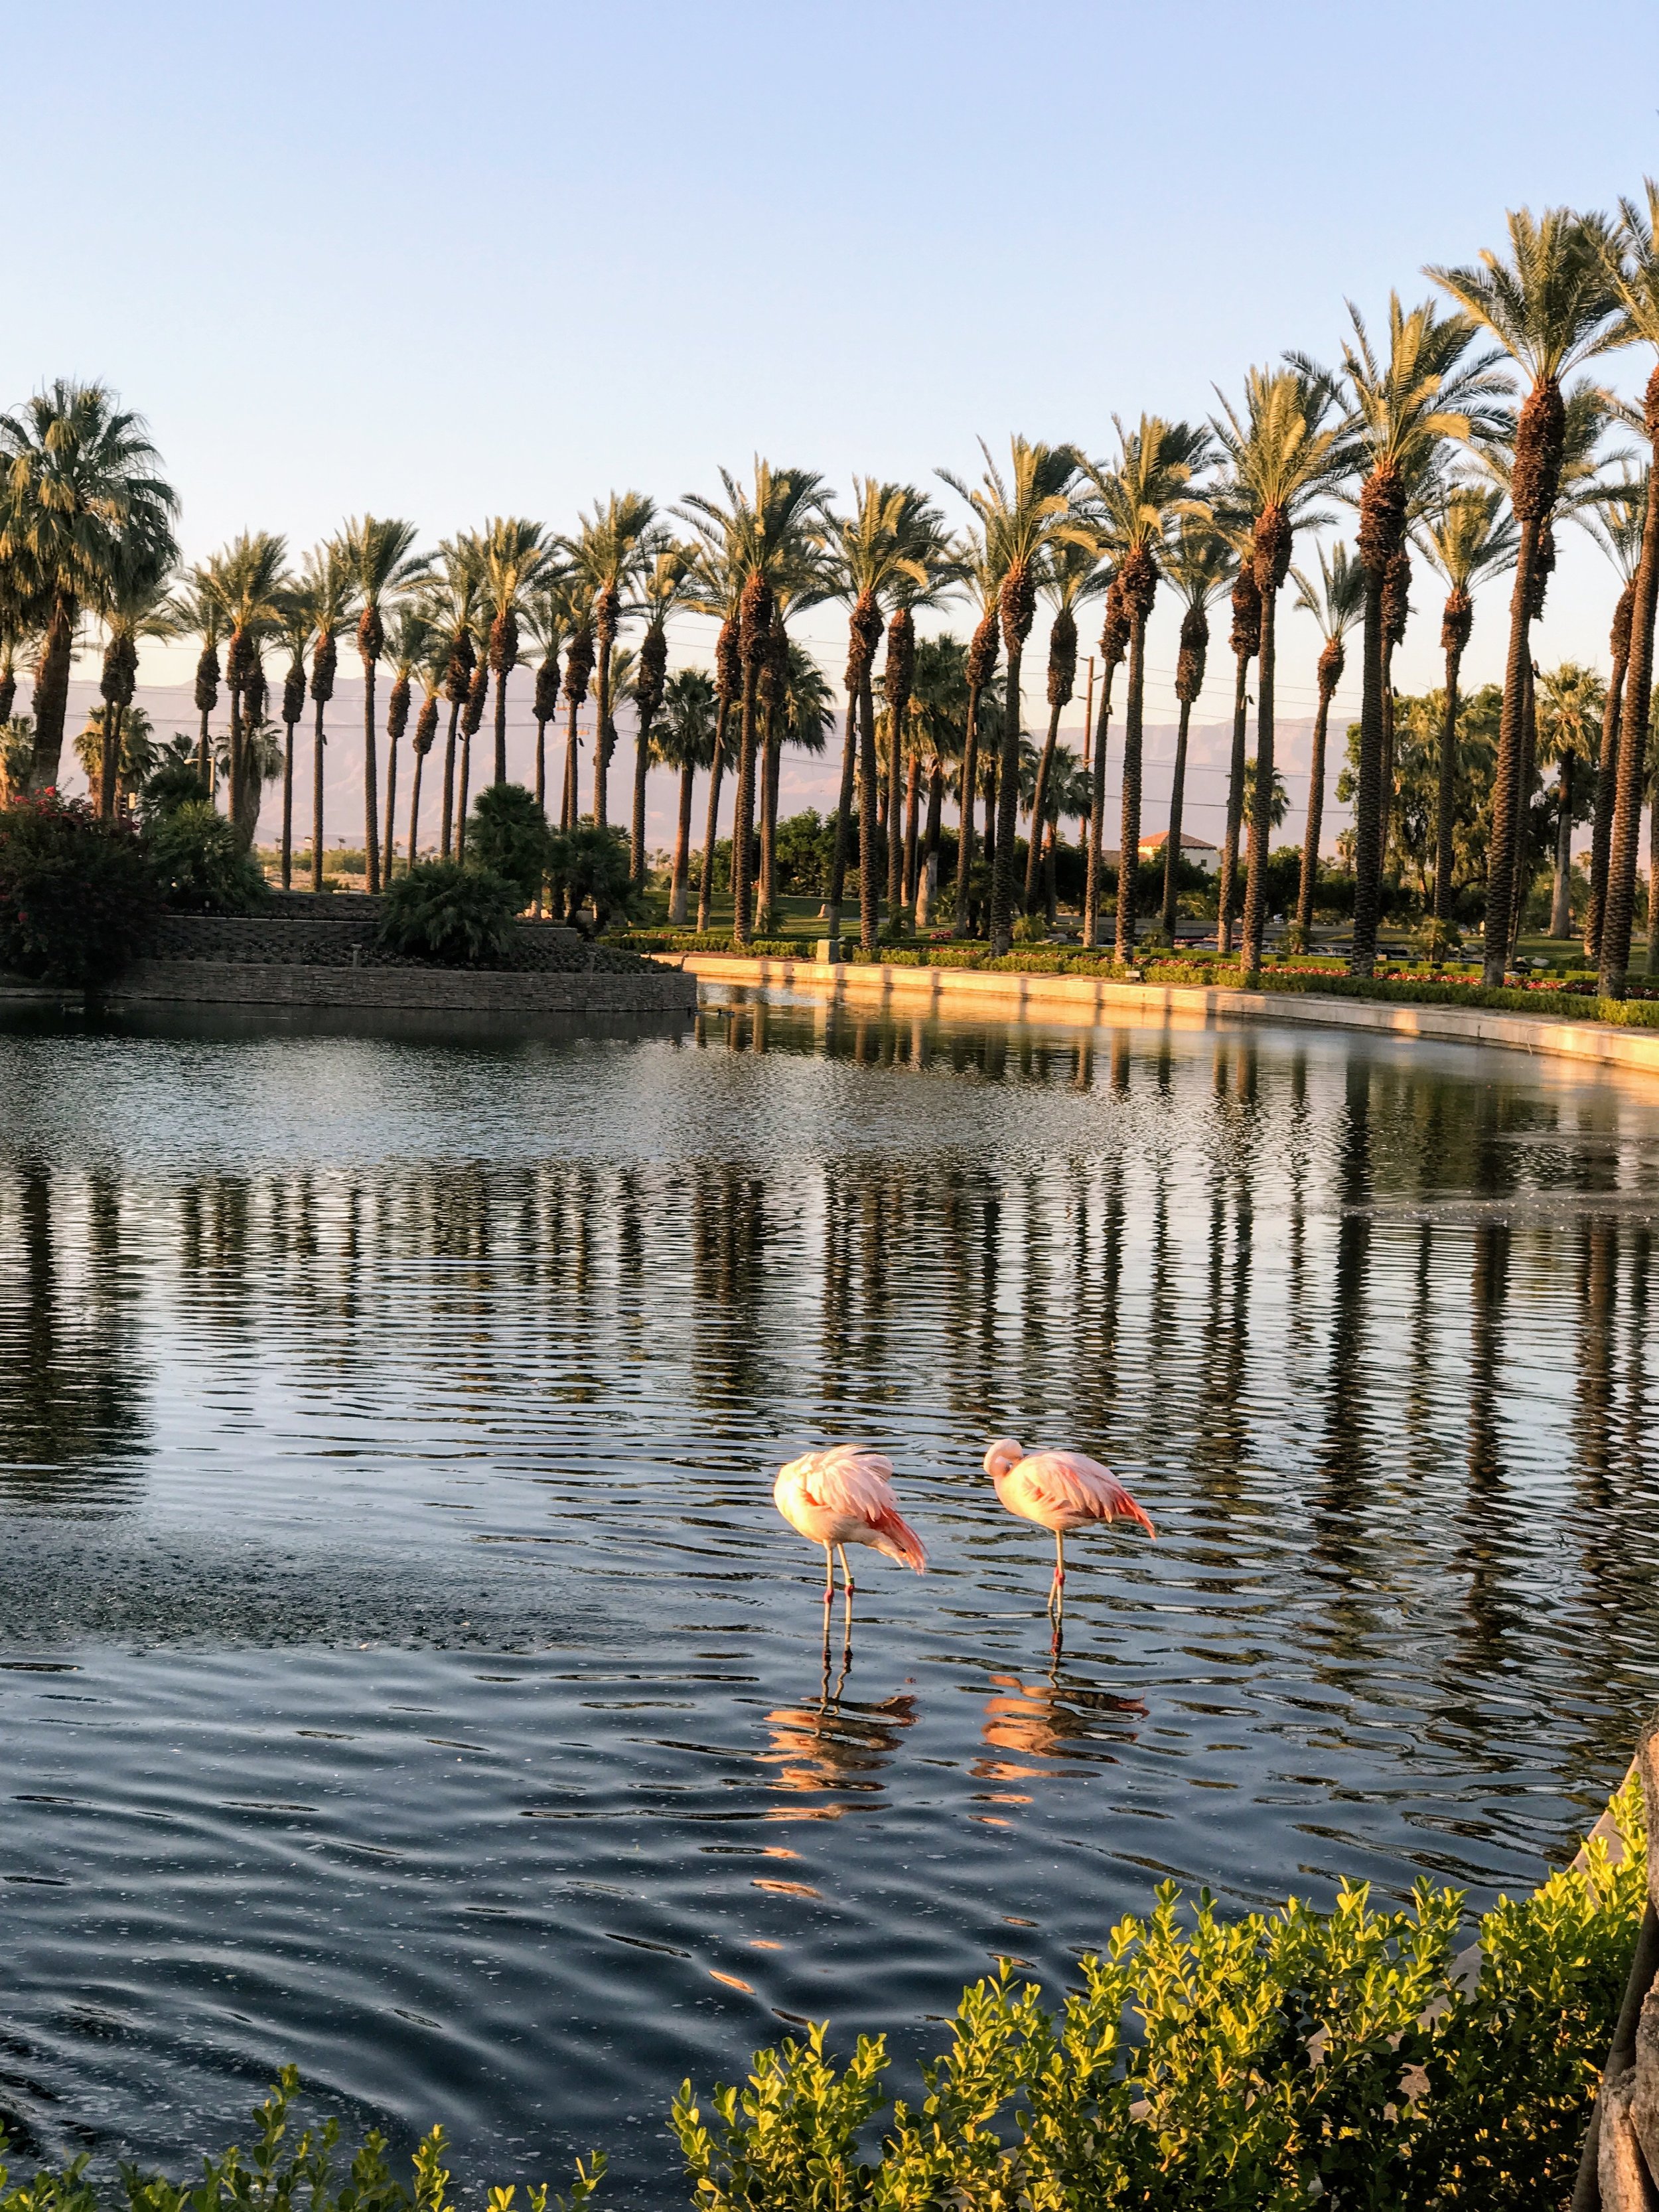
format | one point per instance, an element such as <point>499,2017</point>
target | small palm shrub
<point>77,898</point>
<point>459,917</point>
<point>507,833</point>
<point>199,859</point>
<point>591,866</point>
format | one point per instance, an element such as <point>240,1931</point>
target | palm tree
<point>1198,563</point>
<point>1074,575</point>
<point>407,648</point>
<point>295,633</point>
<point>451,601</point>
<point>1468,536</point>
<point>1022,518</point>
<point>1285,453</point>
<point>1618,526</point>
<point>939,714</point>
<point>681,735</point>
<point>78,490</point>
<point>431,669</point>
<point>1114,649</point>
<point>1336,603</point>
<point>766,536</point>
<point>251,579</point>
<point>978,567</point>
<point>609,552</point>
<point>472,715</point>
<point>579,655</point>
<point>1551,305</point>
<point>132,602</point>
<point>1134,497</point>
<point>197,611</point>
<point>136,755</point>
<point>1429,384</point>
<point>662,590</point>
<point>928,571</point>
<point>803,717</point>
<point>327,592</point>
<point>515,561</point>
<point>1571,701</point>
<point>1236,524</point>
<point>544,621</point>
<point>378,555</point>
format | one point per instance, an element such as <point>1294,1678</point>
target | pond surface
<point>404,1671</point>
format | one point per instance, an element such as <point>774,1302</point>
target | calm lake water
<point>404,1671</point>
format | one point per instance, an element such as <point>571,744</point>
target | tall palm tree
<point>431,670</point>
<point>132,603</point>
<point>296,633</point>
<point>927,573</point>
<point>579,656</point>
<point>1572,700</point>
<point>663,587</point>
<point>197,611</point>
<point>1551,305</point>
<point>78,488</point>
<point>251,578</point>
<point>609,552</point>
<point>768,536</point>
<point>1285,452</point>
<point>681,735</point>
<point>406,649</point>
<point>980,572</point>
<point>1114,650</point>
<point>1021,517</point>
<point>939,712</point>
<point>452,600</point>
<point>1630,266</point>
<point>1619,527</point>
<point>1236,523</point>
<point>1467,537</point>
<point>1335,603</point>
<point>1074,576</point>
<point>544,623</point>
<point>472,715</point>
<point>1199,564</point>
<point>516,560</point>
<point>328,591</point>
<point>1133,498</point>
<point>1430,383</point>
<point>379,553</point>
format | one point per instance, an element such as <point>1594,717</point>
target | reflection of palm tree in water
<point>833,1744</point>
<point>1055,1718</point>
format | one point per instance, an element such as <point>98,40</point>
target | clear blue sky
<point>446,261</point>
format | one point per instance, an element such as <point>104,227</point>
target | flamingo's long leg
<point>847,1615</point>
<point>828,1584</point>
<point>845,1571</point>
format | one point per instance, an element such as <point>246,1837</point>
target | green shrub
<point>1276,2059</point>
<point>591,865</point>
<point>199,859</point>
<point>77,898</point>
<point>460,917</point>
<point>508,833</point>
<point>175,783</point>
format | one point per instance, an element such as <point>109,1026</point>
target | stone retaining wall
<point>458,990</point>
<point>317,938</point>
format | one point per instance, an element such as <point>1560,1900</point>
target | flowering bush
<point>76,895</point>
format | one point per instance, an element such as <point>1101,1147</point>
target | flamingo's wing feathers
<point>1072,1482</point>
<point>846,1480</point>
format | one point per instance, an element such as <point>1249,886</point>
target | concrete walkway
<point>1092,1001</point>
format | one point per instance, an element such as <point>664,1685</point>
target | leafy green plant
<point>460,917</point>
<point>589,866</point>
<point>77,898</point>
<point>508,833</point>
<point>199,861</point>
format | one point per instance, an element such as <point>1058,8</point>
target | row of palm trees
<point>1461,432</point>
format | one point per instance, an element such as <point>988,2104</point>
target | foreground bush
<point>199,861</point>
<point>506,834</point>
<point>457,916</point>
<point>1272,2061</point>
<point>77,897</point>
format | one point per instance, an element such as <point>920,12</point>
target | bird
<point>845,1496</point>
<point>1059,1490</point>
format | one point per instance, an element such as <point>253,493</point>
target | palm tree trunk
<point>1128,856</point>
<point>1002,867</point>
<point>1051,894</point>
<point>742,827</point>
<point>772,744</point>
<point>391,803</point>
<point>1223,927</point>
<point>1509,800</point>
<point>415,808</point>
<point>1633,751</point>
<point>1172,836</point>
<point>927,886</point>
<point>204,753</point>
<point>1379,524</point>
<point>991,788</point>
<point>463,780</point>
<point>676,881</point>
<point>371,792</point>
<point>234,791</point>
<point>288,804</point>
<point>1096,810</point>
<point>317,744</point>
<point>968,775</point>
<point>1606,779</point>
<point>912,826</point>
<point>49,702</point>
<point>541,762</point>
<point>1561,905</point>
<point>568,803</point>
<point>869,896</point>
<point>1525,864</point>
<point>849,761</point>
<point>896,891</point>
<point>636,816</point>
<point>602,734</point>
<point>706,889</point>
<point>445,829</point>
<point>501,733</point>
<point>1261,812</point>
<point>1651,963</point>
<point>1445,805</point>
<point>109,761</point>
<point>1045,764</point>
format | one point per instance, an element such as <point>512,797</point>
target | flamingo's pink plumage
<point>845,1496</point>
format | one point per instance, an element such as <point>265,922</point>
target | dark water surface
<point>404,1671</point>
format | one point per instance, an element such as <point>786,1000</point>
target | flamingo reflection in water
<point>831,1746</point>
<point>1064,1491</point>
<point>1052,1719</point>
<point>845,1496</point>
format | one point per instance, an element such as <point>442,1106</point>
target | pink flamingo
<point>1063,1491</point>
<point>845,1496</point>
